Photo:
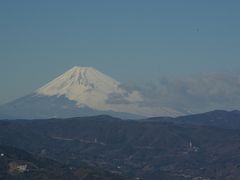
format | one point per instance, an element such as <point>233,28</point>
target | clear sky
<point>130,40</point>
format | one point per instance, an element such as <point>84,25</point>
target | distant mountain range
<point>202,146</point>
<point>82,91</point>
<point>95,146</point>
<point>218,118</point>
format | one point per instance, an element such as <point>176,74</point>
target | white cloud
<point>193,94</point>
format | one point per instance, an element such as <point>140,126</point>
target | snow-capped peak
<point>89,87</point>
<point>76,80</point>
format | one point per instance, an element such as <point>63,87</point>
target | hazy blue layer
<point>129,40</point>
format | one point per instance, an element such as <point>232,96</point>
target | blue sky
<point>130,40</point>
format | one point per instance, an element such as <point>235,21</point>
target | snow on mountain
<point>91,88</point>
<point>83,91</point>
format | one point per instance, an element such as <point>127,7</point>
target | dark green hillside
<point>16,164</point>
<point>144,149</point>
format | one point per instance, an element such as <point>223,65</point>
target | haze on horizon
<point>176,53</point>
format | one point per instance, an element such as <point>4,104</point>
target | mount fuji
<point>82,91</point>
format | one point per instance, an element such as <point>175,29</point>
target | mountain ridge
<point>82,91</point>
<point>146,149</point>
<point>217,118</point>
